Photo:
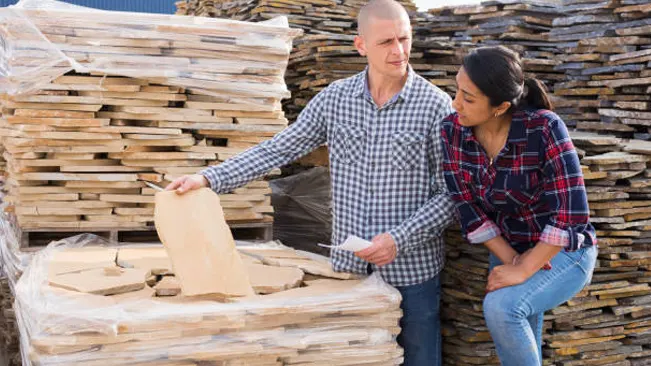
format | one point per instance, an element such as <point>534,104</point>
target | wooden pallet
<point>41,237</point>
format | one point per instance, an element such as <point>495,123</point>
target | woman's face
<point>473,106</point>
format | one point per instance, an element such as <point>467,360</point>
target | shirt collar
<point>362,87</point>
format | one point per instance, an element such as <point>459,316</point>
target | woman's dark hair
<point>497,72</point>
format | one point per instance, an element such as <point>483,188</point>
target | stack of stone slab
<point>445,34</point>
<point>113,306</point>
<point>143,97</point>
<point>606,65</point>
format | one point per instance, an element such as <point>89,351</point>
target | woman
<point>516,181</point>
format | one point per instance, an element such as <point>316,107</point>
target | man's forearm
<point>431,218</point>
<point>243,168</point>
<point>289,145</point>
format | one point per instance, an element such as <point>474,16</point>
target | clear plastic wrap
<point>43,39</point>
<point>302,209</point>
<point>27,58</point>
<point>13,261</point>
<point>330,322</point>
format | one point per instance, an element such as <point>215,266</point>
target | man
<point>382,127</point>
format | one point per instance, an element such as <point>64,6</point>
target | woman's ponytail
<point>535,95</point>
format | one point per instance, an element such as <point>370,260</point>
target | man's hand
<point>382,252</point>
<point>188,183</point>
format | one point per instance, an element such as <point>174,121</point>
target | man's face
<point>387,44</point>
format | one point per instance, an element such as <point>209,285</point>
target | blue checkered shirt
<point>385,166</point>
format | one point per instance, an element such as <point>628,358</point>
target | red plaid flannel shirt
<point>533,191</point>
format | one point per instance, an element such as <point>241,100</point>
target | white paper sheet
<point>352,243</point>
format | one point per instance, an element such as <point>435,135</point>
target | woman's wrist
<point>516,259</point>
<point>501,249</point>
<point>528,265</point>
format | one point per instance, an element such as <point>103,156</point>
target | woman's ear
<point>501,109</point>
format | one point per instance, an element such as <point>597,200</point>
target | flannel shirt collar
<point>361,87</point>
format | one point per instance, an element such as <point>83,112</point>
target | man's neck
<point>383,87</point>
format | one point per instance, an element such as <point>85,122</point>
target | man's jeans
<point>421,325</point>
<point>514,315</point>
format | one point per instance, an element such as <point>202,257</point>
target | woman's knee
<point>499,306</point>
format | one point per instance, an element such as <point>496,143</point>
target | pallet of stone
<point>444,21</point>
<point>325,321</point>
<point>79,146</point>
<point>204,8</point>
<point>229,58</point>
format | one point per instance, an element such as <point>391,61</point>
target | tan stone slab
<point>168,286</point>
<point>101,281</point>
<point>200,244</point>
<point>152,259</point>
<point>614,158</point>
<point>79,259</point>
<point>269,279</point>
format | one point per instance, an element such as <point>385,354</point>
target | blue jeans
<point>514,315</point>
<point>421,326</point>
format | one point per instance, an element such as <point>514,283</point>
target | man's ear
<point>360,46</point>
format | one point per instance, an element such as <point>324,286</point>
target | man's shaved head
<point>380,9</point>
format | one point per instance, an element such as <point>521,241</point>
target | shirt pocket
<point>406,150</point>
<point>514,192</point>
<point>346,144</point>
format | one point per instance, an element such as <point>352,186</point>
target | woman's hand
<point>506,275</point>
<point>526,265</point>
<point>520,258</point>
